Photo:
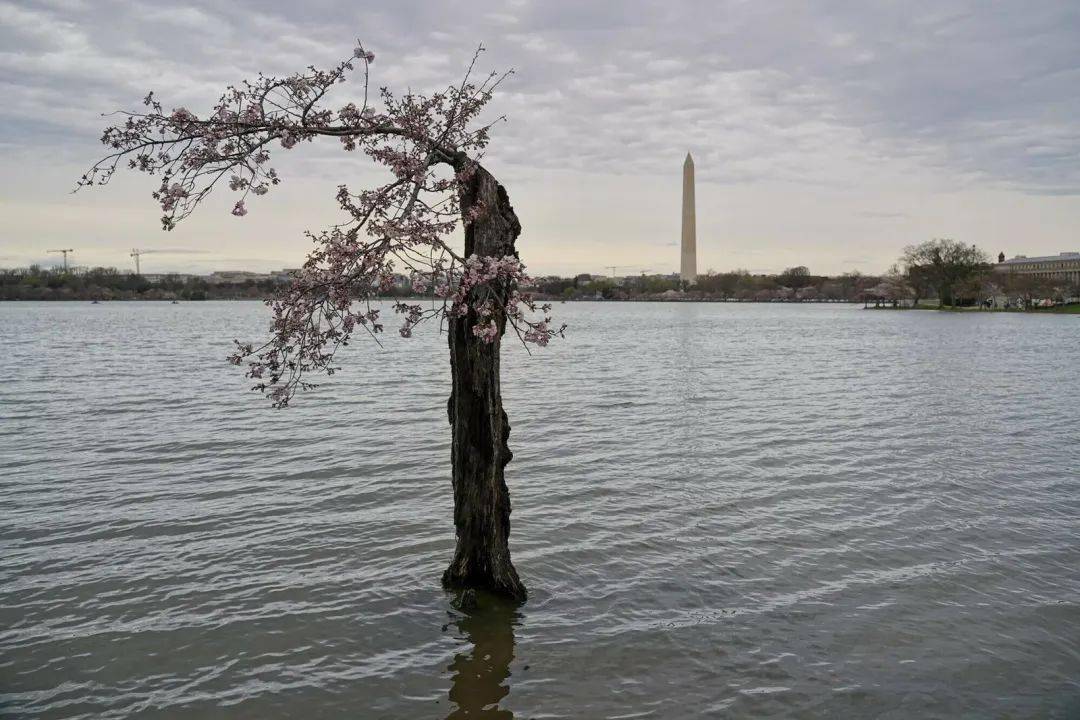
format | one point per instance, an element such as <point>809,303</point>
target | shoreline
<point>1066,309</point>
<point>551,300</point>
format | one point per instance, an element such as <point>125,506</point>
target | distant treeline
<point>36,283</point>
<point>942,271</point>
<point>796,284</point>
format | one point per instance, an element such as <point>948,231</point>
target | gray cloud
<point>176,251</point>
<point>861,105</point>
<point>881,214</point>
<point>785,91</point>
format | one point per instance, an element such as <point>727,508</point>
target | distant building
<point>1064,267</point>
<point>221,277</point>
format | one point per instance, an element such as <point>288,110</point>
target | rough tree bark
<point>479,425</point>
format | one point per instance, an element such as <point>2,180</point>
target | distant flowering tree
<point>431,145</point>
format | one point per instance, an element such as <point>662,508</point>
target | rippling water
<point>720,511</point>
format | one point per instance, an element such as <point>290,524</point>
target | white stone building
<point>1064,267</point>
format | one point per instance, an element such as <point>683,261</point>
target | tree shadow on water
<point>480,674</point>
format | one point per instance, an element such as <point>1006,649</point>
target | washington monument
<point>688,271</point>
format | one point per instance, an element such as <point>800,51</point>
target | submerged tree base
<point>503,583</point>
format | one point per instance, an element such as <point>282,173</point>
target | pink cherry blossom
<point>427,141</point>
<point>181,116</point>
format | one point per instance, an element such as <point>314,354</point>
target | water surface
<point>720,510</point>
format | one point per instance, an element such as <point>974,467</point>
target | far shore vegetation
<point>793,285</point>
<point>936,275</point>
<point>948,275</point>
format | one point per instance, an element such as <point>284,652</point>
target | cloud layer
<point>856,117</point>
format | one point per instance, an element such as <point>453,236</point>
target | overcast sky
<point>828,134</point>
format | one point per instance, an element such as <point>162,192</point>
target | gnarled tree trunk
<point>479,425</point>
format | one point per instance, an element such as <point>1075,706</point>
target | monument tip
<point>689,160</point>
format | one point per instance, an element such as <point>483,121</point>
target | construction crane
<point>65,251</point>
<point>613,268</point>
<point>135,253</point>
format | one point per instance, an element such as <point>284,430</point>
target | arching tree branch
<point>399,226</point>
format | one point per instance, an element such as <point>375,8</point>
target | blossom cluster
<point>429,144</point>
<point>485,291</point>
<point>191,154</point>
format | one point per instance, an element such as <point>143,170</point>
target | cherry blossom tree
<point>432,145</point>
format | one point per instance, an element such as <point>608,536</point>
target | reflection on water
<point>481,673</point>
